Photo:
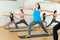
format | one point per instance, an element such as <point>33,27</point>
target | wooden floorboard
<point>5,34</point>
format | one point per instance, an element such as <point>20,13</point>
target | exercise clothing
<point>53,20</point>
<point>36,20</point>
<point>55,33</point>
<point>44,17</point>
<point>21,21</point>
<point>54,16</point>
<point>21,16</point>
<point>11,18</point>
<point>36,15</point>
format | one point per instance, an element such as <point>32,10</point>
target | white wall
<point>7,6</point>
<point>44,5</point>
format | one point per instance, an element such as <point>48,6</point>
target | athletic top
<point>54,16</point>
<point>21,16</point>
<point>44,17</point>
<point>11,18</point>
<point>36,16</point>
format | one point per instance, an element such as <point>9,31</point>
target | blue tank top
<point>36,16</point>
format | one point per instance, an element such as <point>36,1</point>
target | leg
<point>55,29</point>
<point>29,27</point>
<point>14,23</point>
<point>50,23</point>
<point>41,24</point>
<point>9,24</point>
<point>25,23</point>
<point>45,23</point>
<point>17,23</point>
<point>56,21</point>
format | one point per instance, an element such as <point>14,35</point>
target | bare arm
<point>7,15</point>
<point>28,14</point>
<point>49,15</point>
<point>17,14</point>
<point>26,7</point>
<point>15,17</point>
<point>58,14</point>
<point>46,10</point>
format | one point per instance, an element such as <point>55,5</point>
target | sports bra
<point>54,16</point>
<point>22,16</point>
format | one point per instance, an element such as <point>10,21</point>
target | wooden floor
<point>5,34</point>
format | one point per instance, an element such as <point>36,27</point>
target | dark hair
<point>21,10</point>
<point>11,13</point>
<point>55,11</point>
<point>39,6</point>
<point>44,14</point>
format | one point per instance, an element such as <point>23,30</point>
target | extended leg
<point>55,29</point>
<point>42,25</point>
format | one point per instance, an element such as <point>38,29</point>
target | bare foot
<point>49,33</point>
<point>27,36</point>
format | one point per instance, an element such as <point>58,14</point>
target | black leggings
<point>55,29</point>
<point>21,21</point>
<point>53,20</point>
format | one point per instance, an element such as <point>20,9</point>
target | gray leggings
<point>10,23</point>
<point>33,23</point>
<point>45,22</point>
<point>53,20</point>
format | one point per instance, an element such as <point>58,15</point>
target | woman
<point>36,18</point>
<point>11,16</point>
<point>55,33</point>
<point>54,18</point>
<point>22,19</point>
<point>44,18</point>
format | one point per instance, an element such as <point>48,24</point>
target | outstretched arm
<point>7,15</point>
<point>26,7</point>
<point>17,14</point>
<point>49,15</point>
<point>58,14</point>
<point>43,10</point>
<point>15,17</point>
<point>28,14</point>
